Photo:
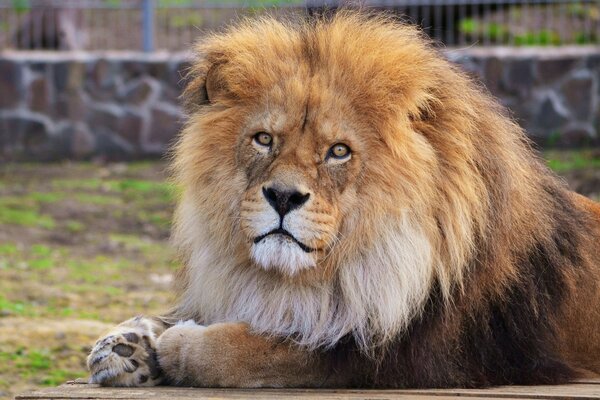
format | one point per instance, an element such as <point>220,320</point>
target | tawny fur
<point>442,194</point>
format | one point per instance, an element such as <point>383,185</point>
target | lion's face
<point>302,165</point>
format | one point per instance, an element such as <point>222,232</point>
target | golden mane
<point>462,185</point>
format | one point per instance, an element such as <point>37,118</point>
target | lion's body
<point>438,252</point>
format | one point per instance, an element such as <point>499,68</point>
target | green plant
<point>21,6</point>
<point>585,38</point>
<point>468,26</point>
<point>541,38</point>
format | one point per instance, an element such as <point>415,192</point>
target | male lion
<point>357,212</point>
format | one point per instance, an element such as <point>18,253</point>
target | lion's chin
<point>281,253</point>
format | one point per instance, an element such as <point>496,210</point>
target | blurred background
<point>89,105</point>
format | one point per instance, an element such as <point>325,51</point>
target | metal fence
<point>175,24</point>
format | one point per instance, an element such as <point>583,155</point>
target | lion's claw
<point>124,359</point>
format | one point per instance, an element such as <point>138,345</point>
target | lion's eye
<point>263,139</point>
<point>339,151</point>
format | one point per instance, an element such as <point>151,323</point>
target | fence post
<point>148,25</point>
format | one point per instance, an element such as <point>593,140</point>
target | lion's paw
<point>125,359</point>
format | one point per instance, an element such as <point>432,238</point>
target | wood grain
<point>585,389</point>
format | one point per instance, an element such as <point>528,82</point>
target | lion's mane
<point>464,252</point>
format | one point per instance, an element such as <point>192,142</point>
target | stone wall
<point>115,106</point>
<point>124,105</point>
<point>553,93</point>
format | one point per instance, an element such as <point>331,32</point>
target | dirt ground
<point>84,246</point>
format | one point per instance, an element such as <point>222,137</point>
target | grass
<point>36,364</point>
<point>79,245</point>
<point>25,217</point>
<point>562,162</point>
<point>83,247</point>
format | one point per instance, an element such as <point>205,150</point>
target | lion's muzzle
<point>285,200</point>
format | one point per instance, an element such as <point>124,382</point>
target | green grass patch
<point>97,199</point>
<point>8,249</point>
<point>566,161</point>
<point>83,271</point>
<point>160,219</point>
<point>8,307</point>
<point>163,190</point>
<point>47,197</point>
<point>130,188</point>
<point>74,226</point>
<point>42,263</point>
<point>33,360</point>
<point>77,184</point>
<point>41,250</point>
<point>57,377</point>
<point>12,216</point>
<point>37,364</point>
<point>131,242</point>
<point>18,203</point>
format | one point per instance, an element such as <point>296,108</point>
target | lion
<point>357,212</point>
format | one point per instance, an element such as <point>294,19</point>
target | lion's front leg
<point>228,355</point>
<point>126,356</point>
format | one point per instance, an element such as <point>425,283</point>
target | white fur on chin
<point>280,252</point>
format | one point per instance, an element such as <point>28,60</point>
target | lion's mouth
<point>281,231</point>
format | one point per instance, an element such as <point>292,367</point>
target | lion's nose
<point>284,200</point>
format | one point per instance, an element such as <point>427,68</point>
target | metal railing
<point>175,24</point>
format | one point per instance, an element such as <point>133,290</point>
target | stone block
<point>551,115</point>
<point>71,106</point>
<point>177,77</point>
<point>104,117</point>
<point>139,92</point>
<point>130,127</point>
<point>133,69</point>
<point>102,80</point>
<point>492,75</point>
<point>83,142</point>
<point>550,70</point>
<point>11,83</point>
<point>38,96</point>
<point>518,77</point>
<point>166,122</point>
<point>111,147</point>
<point>158,70</point>
<point>173,87</point>
<point>593,62</point>
<point>69,76</point>
<point>578,93</point>
<point>576,135</point>
<point>29,136</point>
<point>39,67</point>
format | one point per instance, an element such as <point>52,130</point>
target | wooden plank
<point>571,391</point>
<point>593,381</point>
<point>589,389</point>
<point>165,393</point>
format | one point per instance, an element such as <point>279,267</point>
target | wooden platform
<point>586,389</point>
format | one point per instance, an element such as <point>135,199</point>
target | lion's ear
<point>215,86</point>
<point>206,85</point>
